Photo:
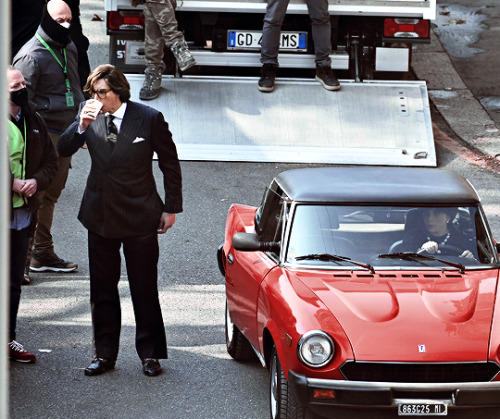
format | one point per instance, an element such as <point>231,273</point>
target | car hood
<point>422,317</point>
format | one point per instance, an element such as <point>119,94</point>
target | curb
<point>455,102</point>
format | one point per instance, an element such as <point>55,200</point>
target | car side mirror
<point>497,246</point>
<point>248,242</point>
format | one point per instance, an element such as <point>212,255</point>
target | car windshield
<point>389,236</point>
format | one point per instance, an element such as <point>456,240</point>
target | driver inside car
<point>438,235</point>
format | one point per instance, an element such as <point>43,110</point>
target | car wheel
<point>237,345</point>
<point>282,403</point>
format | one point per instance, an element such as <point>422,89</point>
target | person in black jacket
<point>121,207</point>
<point>436,235</point>
<point>33,164</point>
<point>25,18</point>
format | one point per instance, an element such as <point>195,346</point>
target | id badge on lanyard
<point>70,100</point>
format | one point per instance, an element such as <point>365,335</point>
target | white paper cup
<point>96,107</point>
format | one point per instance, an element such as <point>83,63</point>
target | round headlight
<point>315,349</point>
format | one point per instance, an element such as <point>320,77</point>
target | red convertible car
<point>366,290</point>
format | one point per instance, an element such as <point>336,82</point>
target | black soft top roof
<point>373,184</point>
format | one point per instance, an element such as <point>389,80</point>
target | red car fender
<point>289,313</point>
<point>240,219</point>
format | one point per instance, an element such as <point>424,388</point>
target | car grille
<point>419,373</point>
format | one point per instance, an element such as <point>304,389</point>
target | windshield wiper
<point>327,257</point>
<point>416,256</point>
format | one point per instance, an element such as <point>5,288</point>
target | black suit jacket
<point>121,198</point>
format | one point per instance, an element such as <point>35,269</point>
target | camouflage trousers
<point>161,29</point>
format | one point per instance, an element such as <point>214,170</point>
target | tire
<point>237,345</point>
<point>282,404</point>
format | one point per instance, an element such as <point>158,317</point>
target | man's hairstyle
<point>449,211</point>
<point>115,78</point>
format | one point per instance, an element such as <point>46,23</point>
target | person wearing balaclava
<point>33,166</point>
<point>25,19</point>
<point>49,63</point>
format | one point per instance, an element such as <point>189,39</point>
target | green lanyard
<point>70,101</point>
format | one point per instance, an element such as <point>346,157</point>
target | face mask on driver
<point>19,97</point>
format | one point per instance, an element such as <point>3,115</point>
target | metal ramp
<point>228,119</point>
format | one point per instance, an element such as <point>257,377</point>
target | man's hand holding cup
<point>89,113</point>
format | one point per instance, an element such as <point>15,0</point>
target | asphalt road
<point>200,380</point>
<point>469,32</point>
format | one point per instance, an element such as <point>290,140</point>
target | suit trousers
<point>321,30</point>
<point>141,258</point>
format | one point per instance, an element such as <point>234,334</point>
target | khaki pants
<point>161,29</point>
<point>43,242</point>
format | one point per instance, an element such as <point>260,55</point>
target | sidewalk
<point>463,112</point>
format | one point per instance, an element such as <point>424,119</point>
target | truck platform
<point>228,119</point>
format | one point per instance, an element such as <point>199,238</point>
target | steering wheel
<point>446,249</point>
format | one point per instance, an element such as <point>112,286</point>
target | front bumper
<point>390,395</point>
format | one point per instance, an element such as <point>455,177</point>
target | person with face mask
<point>49,63</point>
<point>33,166</point>
<point>25,19</point>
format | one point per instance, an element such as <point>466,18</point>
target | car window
<point>362,233</point>
<point>269,216</point>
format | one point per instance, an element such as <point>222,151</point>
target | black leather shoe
<point>151,367</point>
<point>99,366</point>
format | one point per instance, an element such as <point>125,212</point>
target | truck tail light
<point>406,28</point>
<point>125,21</point>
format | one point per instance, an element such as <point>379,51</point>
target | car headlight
<point>315,349</point>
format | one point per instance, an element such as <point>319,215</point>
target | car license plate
<point>422,409</point>
<point>252,40</point>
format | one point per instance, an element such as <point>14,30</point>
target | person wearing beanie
<point>49,63</point>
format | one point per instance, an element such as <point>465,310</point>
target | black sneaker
<point>51,262</point>
<point>324,74</point>
<point>267,76</point>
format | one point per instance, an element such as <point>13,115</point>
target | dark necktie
<point>111,129</point>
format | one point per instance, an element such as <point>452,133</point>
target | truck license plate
<point>134,53</point>
<point>422,409</point>
<point>252,40</point>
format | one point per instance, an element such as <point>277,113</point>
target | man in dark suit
<point>121,207</point>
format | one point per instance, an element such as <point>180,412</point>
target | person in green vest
<point>33,166</point>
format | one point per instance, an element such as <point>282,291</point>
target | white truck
<point>380,116</point>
